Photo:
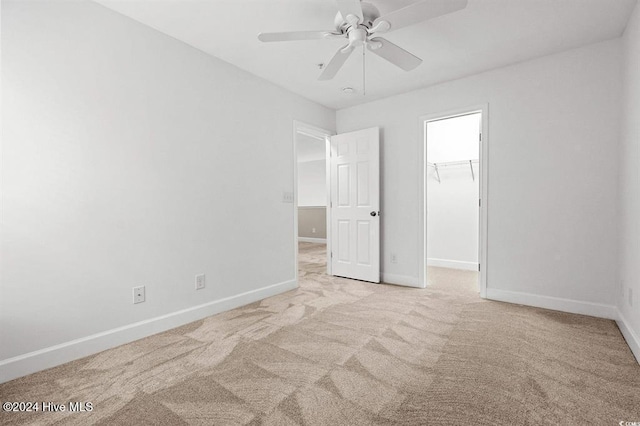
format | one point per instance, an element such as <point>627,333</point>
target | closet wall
<point>452,218</point>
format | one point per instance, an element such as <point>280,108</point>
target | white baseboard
<point>629,335</point>
<point>555,303</point>
<point>453,264</point>
<point>52,356</point>
<point>401,280</point>
<point>312,240</point>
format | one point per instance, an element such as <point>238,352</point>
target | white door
<point>355,205</point>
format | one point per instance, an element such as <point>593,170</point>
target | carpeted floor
<point>341,352</point>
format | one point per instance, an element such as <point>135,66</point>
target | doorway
<point>311,198</point>
<point>343,215</point>
<point>454,220</point>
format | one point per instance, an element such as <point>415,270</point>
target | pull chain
<point>364,87</point>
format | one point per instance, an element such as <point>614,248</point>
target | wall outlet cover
<point>200,281</point>
<point>138,294</point>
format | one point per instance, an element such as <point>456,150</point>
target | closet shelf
<point>469,163</point>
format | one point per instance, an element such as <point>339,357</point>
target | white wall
<point>130,158</point>
<point>630,187</point>
<point>452,218</point>
<point>312,183</point>
<point>454,138</point>
<point>553,140</point>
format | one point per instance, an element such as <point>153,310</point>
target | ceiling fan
<point>360,23</point>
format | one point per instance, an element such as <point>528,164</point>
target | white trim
<point>52,356</point>
<point>328,213</point>
<point>453,264</point>
<point>296,126</point>
<point>310,131</point>
<point>599,310</point>
<point>483,241</point>
<point>312,240</point>
<point>632,338</point>
<point>400,280</point>
<point>555,303</point>
<point>483,238</point>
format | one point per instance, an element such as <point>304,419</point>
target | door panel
<point>364,243</point>
<point>343,185</point>
<point>355,205</point>
<point>343,241</point>
<point>363,184</point>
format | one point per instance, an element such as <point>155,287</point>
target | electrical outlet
<point>630,291</point>
<point>200,282</point>
<point>394,258</point>
<point>138,294</point>
<point>313,230</point>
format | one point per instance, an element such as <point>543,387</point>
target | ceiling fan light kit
<point>361,24</point>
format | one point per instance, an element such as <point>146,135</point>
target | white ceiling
<point>486,35</point>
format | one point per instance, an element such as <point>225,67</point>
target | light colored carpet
<point>337,352</point>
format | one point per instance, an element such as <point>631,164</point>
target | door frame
<point>484,190</point>
<point>300,127</point>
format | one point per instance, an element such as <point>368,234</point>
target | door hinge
<point>332,255</point>
<point>478,267</point>
<point>479,202</point>
<point>480,137</point>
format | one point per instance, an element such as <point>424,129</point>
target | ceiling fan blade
<point>297,35</point>
<point>350,7</point>
<point>394,54</point>
<point>336,63</point>
<point>419,12</point>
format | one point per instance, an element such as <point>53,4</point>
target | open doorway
<point>454,182</point>
<point>341,218</point>
<point>311,198</point>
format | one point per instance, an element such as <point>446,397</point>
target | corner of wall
<point>630,336</point>
<point>628,280</point>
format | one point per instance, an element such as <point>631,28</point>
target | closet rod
<point>453,163</point>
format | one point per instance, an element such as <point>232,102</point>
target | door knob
<point>373,213</point>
